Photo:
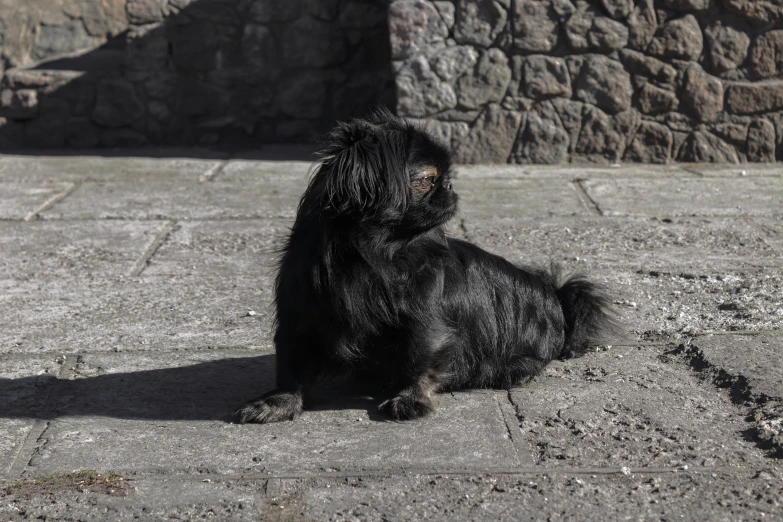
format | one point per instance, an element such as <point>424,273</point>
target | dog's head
<point>385,172</point>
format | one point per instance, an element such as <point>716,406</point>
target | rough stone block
<point>146,11</point>
<point>304,95</point>
<point>452,62</point>
<point>479,22</point>
<point>750,98</point>
<point>275,11</point>
<point>309,42</point>
<point>536,26</point>
<point>447,12</point>
<point>703,146</point>
<point>491,137</point>
<point>544,77</point>
<point>702,94</point>
<point>569,112</point>
<point>761,141</point>
<point>543,141</point>
<point>117,103</point>
<point>20,104</point>
<point>607,35</point>
<point>654,100</point>
<point>680,38</point>
<point>651,144</point>
<point>618,9</point>
<point>578,26</point>
<point>685,5</point>
<point>766,55</point>
<point>727,48</point>
<point>487,82</point>
<point>647,65</point>
<point>60,38</point>
<point>758,12</point>
<point>420,92</point>
<point>414,26</point>
<point>604,83</point>
<point>357,15</point>
<point>258,47</point>
<point>49,128</point>
<point>597,135</point>
<point>642,24</point>
<point>733,133</point>
<point>81,133</point>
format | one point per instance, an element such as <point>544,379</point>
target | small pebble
<point>251,313</point>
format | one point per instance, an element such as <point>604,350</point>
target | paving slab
<point>99,168</point>
<point>751,196</point>
<point>169,411</point>
<point>76,248</point>
<point>643,243</point>
<point>756,358</point>
<point>24,387</point>
<point>634,406</point>
<point>733,171</point>
<point>673,305</point>
<point>145,313</point>
<point>773,230</point>
<point>161,198</point>
<point>235,248</point>
<point>533,197</point>
<point>243,170</point>
<point>719,496</point>
<point>572,172</point>
<point>690,496</point>
<point>20,199</point>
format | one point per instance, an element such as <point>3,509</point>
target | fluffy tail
<point>589,317</point>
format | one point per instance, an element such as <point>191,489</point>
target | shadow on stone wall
<point>223,73</point>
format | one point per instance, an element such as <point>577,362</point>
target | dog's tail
<point>589,317</point>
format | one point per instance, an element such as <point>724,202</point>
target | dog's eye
<point>430,180</point>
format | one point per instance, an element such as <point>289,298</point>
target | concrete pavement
<point>134,316</point>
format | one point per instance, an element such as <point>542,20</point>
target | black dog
<point>370,286</point>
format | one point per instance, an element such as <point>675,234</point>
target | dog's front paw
<point>407,407</point>
<point>272,407</point>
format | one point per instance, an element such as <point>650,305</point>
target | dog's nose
<point>448,185</point>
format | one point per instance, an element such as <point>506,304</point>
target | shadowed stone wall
<point>550,81</point>
<point>188,72</point>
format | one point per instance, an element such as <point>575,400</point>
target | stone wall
<point>520,81</point>
<point>106,73</point>
<point>550,81</point>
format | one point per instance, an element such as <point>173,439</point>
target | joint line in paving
<point>24,454</point>
<point>212,172</point>
<point>512,427</point>
<point>160,238</point>
<point>585,198</point>
<point>168,475</point>
<point>49,203</point>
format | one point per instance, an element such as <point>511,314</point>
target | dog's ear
<point>360,166</point>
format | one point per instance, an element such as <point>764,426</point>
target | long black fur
<point>370,286</point>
